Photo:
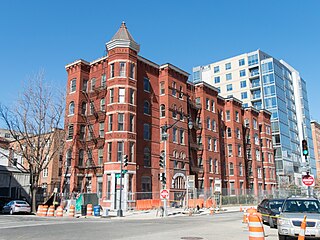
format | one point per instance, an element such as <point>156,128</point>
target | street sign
<point>118,175</point>
<point>308,180</point>
<point>217,185</point>
<point>164,194</point>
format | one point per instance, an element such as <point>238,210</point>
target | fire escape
<point>247,155</point>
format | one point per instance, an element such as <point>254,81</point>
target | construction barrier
<point>245,216</point>
<point>43,211</point>
<point>303,228</point>
<point>256,231</point>
<point>71,211</point>
<point>39,210</point>
<point>59,212</point>
<point>89,210</point>
<point>50,212</point>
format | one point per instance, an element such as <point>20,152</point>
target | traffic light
<point>161,161</point>
<point>125,160</point>
<point>305,151</point>
<point>163,178</point>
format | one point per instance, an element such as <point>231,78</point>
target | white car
<point>17,206</point>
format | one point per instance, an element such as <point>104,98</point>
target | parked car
<point>16,206</point>
<point>269,208</point>
<point>292,214</point>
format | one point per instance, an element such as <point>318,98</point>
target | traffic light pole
<point>119,212</point>
<point>165,174</point>
<point>308,165</point>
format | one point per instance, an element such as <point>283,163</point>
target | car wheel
<point>282,237</point>
<point>271,224</point>
<point>11,211</point>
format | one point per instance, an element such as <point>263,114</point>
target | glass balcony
<point>254,73</point>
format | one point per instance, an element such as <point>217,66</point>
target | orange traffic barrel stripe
<point>256,231</point>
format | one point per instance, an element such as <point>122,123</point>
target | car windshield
<point>21,202</point>
<point>275,204</point>
<point>295,206</point>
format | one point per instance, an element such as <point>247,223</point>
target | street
<point>220,226</point>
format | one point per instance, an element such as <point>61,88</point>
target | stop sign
<point>164,194</point>
<point>308,180</point>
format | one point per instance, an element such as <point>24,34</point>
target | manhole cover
<point>191,238</point>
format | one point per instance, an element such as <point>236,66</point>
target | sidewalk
<point>173,212</point>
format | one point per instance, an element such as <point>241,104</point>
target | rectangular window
<point>131,152</point>
<point>215,145</point>
<point>243,84</point>
<point>213,107</point>
<point>100,156</point>
<point>207,104</point>
<point>174,135</point>
<point>237,116</point>
<point>146,131</point>
<point>132,68</point>
<point>70,132</point>
<point>259,172</point>
<point>239,151</point>
<point>174,89</point>
<point>209,144</point>
<point>93,84</point>
<point>91,108</point>
<point>103,104</point>
<point>101,129</point>
<point>109,188</point>
<point>103,81</point>
<point>146,84</point>
<point>241,62</point>
<point>181,92</point>
<point>82,132</point>
<point>111,70</point>
<point>244,95</point>
<point>181,136</point>
<point>131,122</point>
<point>85,86</point>
<point>122,69</point>
<point>90,134</point>
<point>120,121</point>
<point>131,101</point>
<point>228,66</point>
<point>228,115</point>
<point>109,151</point>
<point>110,122</point>
<point>45,172</point>
<point>122,93</point>
<point>242,73</point>
<point>230,150</point>
<point>216,69</point>
<point>119,151</point>
<point>253,59</point>
<point>73,85</point>
<point>229,76</point>
<point>229,87</point>
<point>217,79</point>
<point>162,90</point>
<point>111,95</point>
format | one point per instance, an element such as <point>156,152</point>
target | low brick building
<point>118,104</point>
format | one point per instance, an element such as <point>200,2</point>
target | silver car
<point>292,214</point>
<point>16,206</point>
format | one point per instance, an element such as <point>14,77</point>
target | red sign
<point>308,180</point>
<point>164,194</point>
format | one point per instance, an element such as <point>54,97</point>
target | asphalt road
<point>220,226</point>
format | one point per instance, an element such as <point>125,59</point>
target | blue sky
<point>47,35</point>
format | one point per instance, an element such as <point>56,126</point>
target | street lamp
<point>190,126</point>
<point>164,137</point>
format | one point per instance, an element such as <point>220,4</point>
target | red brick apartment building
<point>116,106</point>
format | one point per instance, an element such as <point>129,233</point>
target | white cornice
<point>77,62</point>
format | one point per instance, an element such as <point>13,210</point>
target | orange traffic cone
<point>256,231</point>
<point>303,228</point>
<point>245,217</point>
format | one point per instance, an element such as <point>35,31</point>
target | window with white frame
<point>207,104</point>
<point>131,122</point>
<point>228,117</point>
<point>240,170</point>
<point>110,122</point>
<point>237,116</point>
<point>229,132</point>
<point>120,121</point>
<point>112,70</point>
<point>109,151</point>
<point>119,151</point>
<point>230,150</point>
<point>70,132</point>
<point>259,172</point>
<point>208,123</point>
<point>131,97</point>
<point>162,88</point>
<point>100,156</point>
<point>216,166</point>
<point>174,135</point>
<point>210,165</point>
<point>73,85</point>
<point>238,133</point>
<point>162,110</point>
<point>103,104</point>
<point>255,125</point>
<point>231,169</point>
<point>122,69</point>
<point>209,144</point>
<point>122,93</point>
<point>101,129</point>
<point>215,145</point>
<point>214,125</point>
<point>103,81</point>
<point>258,155</point>
<point>71,108</point>
<point>174,89</point>
<point>239,150</point>
<point>213,106</point>
<point>146,131</point>
<point>92,84</point>
<point>256,139</point>
<point>45,172</point>
<point>111,95</point>
<point>132,69</point>
<point>85,85</point>
<point>181,136</point>
<point>146,157</point>
<point>146,84</point>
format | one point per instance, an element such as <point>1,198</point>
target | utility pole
<point>119,212</point>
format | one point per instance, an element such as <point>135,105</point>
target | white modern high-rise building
<point>261,81</point>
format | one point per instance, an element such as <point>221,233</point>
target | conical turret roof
<point>123,38</point>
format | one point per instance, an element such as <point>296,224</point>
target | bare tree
<point>34,123</point>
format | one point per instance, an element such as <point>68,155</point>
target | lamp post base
<point>119,213</point>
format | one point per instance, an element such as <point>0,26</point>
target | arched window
<point>68,157</point>
<point>71,108</point>
<point>146,107</point>
<point>256,139</point>
<point>81,155</point>
<point>174,153</point>
<point>146,157</point>
<point>231,169</point>
<point>162,110</point>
